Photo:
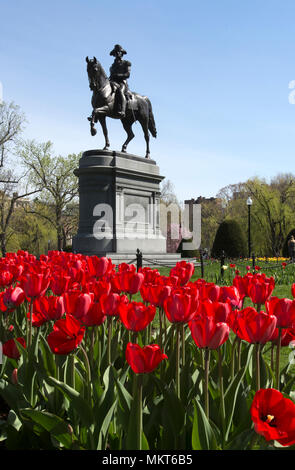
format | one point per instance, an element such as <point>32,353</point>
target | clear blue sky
<point>216,71</point>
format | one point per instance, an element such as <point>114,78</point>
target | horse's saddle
<point>131,103</point>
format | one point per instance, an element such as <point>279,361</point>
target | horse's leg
<point>92,121</point>
<point>145,128</point>
<point>127,126</point>
<point>102,120</point>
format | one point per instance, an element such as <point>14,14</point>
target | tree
<point>8,202</point>
<point>168,195</point>
<point>11,126</point>
<point>231,239</point>
<point>11,188</point>
<point>273,209</point>
<point>53,176</point>
<point>272,212</point>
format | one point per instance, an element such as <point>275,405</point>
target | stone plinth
<point>119,205</point>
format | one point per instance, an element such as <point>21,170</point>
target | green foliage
<point>230,239</point>
<point>285,250</point>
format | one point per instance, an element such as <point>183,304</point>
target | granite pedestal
<point>119,196</point>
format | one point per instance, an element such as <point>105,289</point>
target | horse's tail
<point>152,124</point>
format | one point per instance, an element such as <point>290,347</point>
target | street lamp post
<point>249,204</point>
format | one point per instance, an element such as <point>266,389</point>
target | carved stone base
<point>119,205</point>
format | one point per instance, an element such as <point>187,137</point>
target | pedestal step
<point>150,259</point>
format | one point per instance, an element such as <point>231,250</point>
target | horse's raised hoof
<point>93,131</point>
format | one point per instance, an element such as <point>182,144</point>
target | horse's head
<point>96,74</point>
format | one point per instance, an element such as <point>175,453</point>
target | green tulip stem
<point>278,359</point>
<point>220,374</point>
<point>72,369</point>
<point>134,336</point>
<point>110,331</point>
<point>272,356</point>
<point>139,411</point>
<point>233,357</point>
<point>178,327</point>
<point>30,324</point>
<point>239,353</point>
<point>206,381</point>
<point>165,327</point>
<point>257,354</point>
<point>88,373</point>
<point>183,343</point>
<point>161,329</point>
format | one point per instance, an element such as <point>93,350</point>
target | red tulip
<point>241,284</point>
<point>46,309</point>
<point>231,294</point>
<point>260,289</point>
<point>274,416</point>
<point>151,275</point>
<point>6,277</point>
<point>180,307</point>
<point>183,270</point>
<point>212,292</point>
<point>13,297</point>
<point>10,349</point>
<point>66,336</point>
<point>283,309</point>
<point>207,333</point>
<point>59,283</point>
<point>98,288</point>
<point>131,282</point>
<point>14,377</point>
<point>255,327</point>
<point>94,316</point>
<point>3,307</point>
<point>77,303</point>
<point>288,336</point>
<point>110,303</point>
<point>156,294</point>
<point>136,316</point>
<point>293,290</point>
<point>35,284</point>
<point>144,360</point>
<point>275,335</point>
<point>99,267</point>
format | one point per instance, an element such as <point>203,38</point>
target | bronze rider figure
<point>119,72</point>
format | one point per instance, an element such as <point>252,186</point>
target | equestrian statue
<point>112,98</point>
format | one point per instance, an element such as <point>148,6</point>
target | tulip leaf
<point>231,393</point>
<point>53,424</point>
<point>203,437</point>
<point>76,400</point>
<point>13,395</point>
<point>47,357</point>
<point>241,441</point>
<point>173,422</point>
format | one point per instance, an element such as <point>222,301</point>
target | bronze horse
<point>138,107</point>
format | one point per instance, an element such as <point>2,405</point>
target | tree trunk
<point>58,219</point>
<point>3,244</point>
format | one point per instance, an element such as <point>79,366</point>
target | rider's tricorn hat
<point>118,48</point>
